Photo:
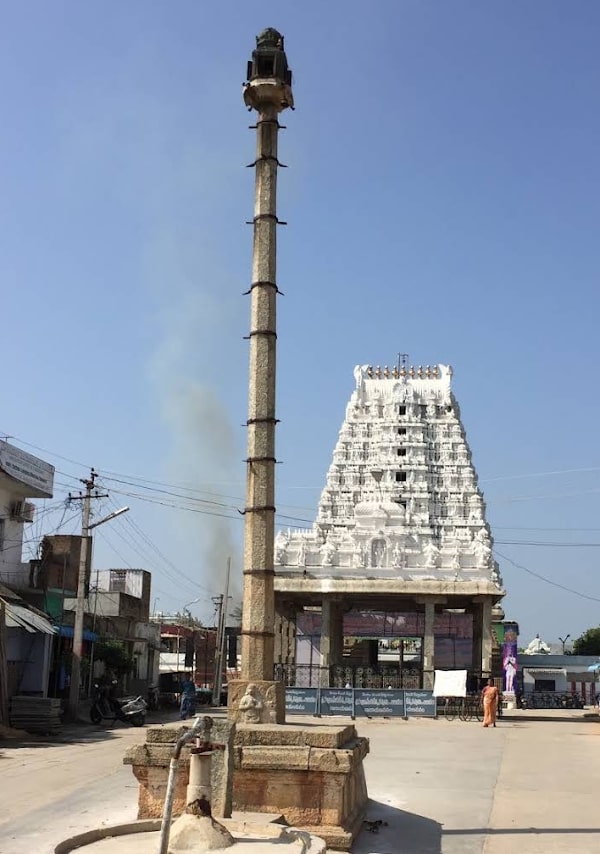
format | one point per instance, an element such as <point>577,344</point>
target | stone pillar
<point>257,698</point>
<point>332,639</point>
<point>285,634</point>
<point>476,611</point>
<point>486,637</point>
<point>428,646</point>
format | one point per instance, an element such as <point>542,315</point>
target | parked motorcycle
<point>131,710</point>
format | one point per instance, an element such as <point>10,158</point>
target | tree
<point>115,656</point>
<point>588,643</point>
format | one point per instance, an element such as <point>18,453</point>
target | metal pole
<point>216,699</point>
<point>80,605</point>
<point>91,673</point>
<point>4,716</point>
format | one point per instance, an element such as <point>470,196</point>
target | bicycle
<point>471,707</point>
<point>450,707</point>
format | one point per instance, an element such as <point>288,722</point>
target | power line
<point>538,474</point>
<point>548,544</point>
<point>547,580</point>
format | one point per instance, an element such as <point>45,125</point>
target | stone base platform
<point>313,777</point>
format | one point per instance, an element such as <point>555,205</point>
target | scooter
<point>131,710</point>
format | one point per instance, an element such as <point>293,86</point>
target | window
<point>265,66</point>
<point>401,452</point>
<point>402,431</point>
<point>400,476</point>
<point>402,410</point>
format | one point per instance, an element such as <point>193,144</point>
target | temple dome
<point>377,514</point>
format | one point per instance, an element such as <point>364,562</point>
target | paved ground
<point>528,786</point>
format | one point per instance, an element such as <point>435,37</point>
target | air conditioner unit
<point>28,512</point>
<point>22,511</point>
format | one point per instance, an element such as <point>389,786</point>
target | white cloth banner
<point>450,683</point>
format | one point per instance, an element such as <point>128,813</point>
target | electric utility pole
<point>80,603</point>
<point>222,606</point>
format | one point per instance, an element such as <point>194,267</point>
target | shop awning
<point>21,617</point>
<point>67,632</point>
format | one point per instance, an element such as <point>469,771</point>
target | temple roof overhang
<point>387,586</point>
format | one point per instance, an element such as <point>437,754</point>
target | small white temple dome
<point>537,647</point>
<point>377,514</point>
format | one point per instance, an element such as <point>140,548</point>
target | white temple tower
<point>401,516</point>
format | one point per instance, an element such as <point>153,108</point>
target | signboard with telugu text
<point>419,703</point>
<point>301,701</point>
<point>337,701</point>
<point>379,703</point>
<point>28,470</point>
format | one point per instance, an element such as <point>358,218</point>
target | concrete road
<point>51,790</point>
<point>528,786</point>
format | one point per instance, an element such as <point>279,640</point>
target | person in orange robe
<point>491,696</point>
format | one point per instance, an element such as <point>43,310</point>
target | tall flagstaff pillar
<point>257,698</point>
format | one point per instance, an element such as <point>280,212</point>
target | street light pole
<point>80,604</point>
<point>563,641</point>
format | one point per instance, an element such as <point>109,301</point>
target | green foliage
<point>115,656</point>
<point>588,643</point>
<point>186,619</point>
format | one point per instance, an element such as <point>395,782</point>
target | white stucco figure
<point>301,558</point>
<point>431,553</point>
<point>281,544</point>
<point>397,555</point>
<point>328,551</point>
<point>378,549</point>
<point>455,559</point>
<point>360,556</point>
<point>481,548</point>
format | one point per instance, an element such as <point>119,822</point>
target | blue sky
<point>442,201</point>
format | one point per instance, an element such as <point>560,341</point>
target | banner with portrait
<point>510,664</point>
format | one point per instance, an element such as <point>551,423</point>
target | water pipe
<point>165,828</point>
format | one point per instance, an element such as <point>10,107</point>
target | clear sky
<point>442,201</point>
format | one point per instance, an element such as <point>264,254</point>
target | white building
<point>400,533</point>
<point>22,476</point>
<point>29,633</point>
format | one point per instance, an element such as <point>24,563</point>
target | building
<point>187,646</point>
<point>22,476</point>
<point>28,652</point>
<point>396,577</point>
<point>559,674</point>
<point>29,634</point>
<point>118,608</point>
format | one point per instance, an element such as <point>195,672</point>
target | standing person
<point>491,696</point>
<point>188,697</point>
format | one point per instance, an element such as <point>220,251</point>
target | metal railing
<point>342,676</point>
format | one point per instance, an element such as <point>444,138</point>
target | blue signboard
<point>361,702</point>
<point>301,701</point>
<point>379,703</point>
<point>337,701</point>
<point>419,703</point>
